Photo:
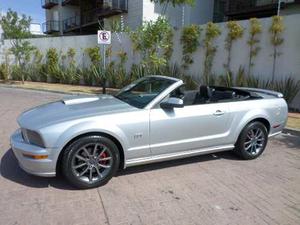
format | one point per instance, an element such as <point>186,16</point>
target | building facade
<point>245,9</point>
<point>72,17</point>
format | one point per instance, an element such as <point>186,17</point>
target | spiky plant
<point>227,79</point>
<point>289,87</point>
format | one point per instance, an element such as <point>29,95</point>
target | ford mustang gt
<point>88,138</point>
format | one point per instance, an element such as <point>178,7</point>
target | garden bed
<point>294,120</point>
<point>57,87</point>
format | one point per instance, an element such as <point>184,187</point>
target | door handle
<point>219,113</point>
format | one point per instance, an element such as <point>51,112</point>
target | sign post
<point>104,38</point>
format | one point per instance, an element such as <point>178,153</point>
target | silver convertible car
<point>89,138</point>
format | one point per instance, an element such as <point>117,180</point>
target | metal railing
<point>109,8</point>
<point>72,2</point>
<point>115,4</point>
<point>51,26</point>
<point>49,3</point>
<point>71,23</point>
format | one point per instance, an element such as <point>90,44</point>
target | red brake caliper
<point>102,156</point>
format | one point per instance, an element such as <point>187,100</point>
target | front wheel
<point>90,161</point>
<point>252,141</point>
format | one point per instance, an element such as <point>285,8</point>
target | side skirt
<point>176,155</point>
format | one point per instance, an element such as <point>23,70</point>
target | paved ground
<point>212,189</point>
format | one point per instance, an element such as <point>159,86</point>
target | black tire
<point>250,146</point>
<point>104,160</point>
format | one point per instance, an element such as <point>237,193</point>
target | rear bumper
<point>39,167</point>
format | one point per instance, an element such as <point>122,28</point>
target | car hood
<point>71,108</point>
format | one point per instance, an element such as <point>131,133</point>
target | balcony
<point>51,26</point>
<point>70,2</point>
<point>108,8</point>
<point>71,23</point>
<point>241,9</point>
<point>48,4</point>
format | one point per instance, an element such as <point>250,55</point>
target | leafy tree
<point>235,31</point>
<point>212,31</point>
<point>154,41</point>
<point>190,42</point>
<point>173,2</point>
<point>16,29</point>
<point>276,30</point>
<point>255,30</point>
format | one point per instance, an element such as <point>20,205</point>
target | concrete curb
<point>292,131</point>
<point>45,90</point>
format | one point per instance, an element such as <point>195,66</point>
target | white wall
<point>288,62</point>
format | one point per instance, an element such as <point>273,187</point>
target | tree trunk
<point>206,70</point>
<point>229,57</point>
<point>274,64</point>
<point>250,61</point>
<point>22,68</point>
<point>104,86</point>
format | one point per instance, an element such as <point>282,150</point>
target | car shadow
<point>10,169</point>
<point>290,141</point>
<point>228,155</point>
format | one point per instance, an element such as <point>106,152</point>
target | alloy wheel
<point>255,141</point>
<point>92,162</point>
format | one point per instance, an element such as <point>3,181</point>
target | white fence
<point>288,64</point>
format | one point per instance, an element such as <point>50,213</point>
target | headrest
<point>205,91</point>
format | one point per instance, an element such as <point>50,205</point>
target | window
<point>142,92</point>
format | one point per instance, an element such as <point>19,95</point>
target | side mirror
<point>172,103</point>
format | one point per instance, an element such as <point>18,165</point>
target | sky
<point>31,8</point>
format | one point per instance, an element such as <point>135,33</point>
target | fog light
<point>36,156</point>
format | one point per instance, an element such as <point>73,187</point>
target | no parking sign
<point>104,37</point>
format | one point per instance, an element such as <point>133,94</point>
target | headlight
<point>32,137</point>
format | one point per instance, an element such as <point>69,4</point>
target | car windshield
<point>143,91</point>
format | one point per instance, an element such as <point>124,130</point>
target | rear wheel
<point>252,141</point>
<point>90,161</point>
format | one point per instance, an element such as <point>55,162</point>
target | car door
<point>188,128</point>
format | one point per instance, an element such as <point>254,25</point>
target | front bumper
<point>39,167</point>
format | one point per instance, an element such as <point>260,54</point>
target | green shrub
<point>17,73</point>
<point>69,74</point>
<point>52,65</point>
<point>4,71</point>
<point>137,71</point>
<point>94,55</point>
<point>87,75</point>
<point>34,69</point>
<point>289,87</point>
